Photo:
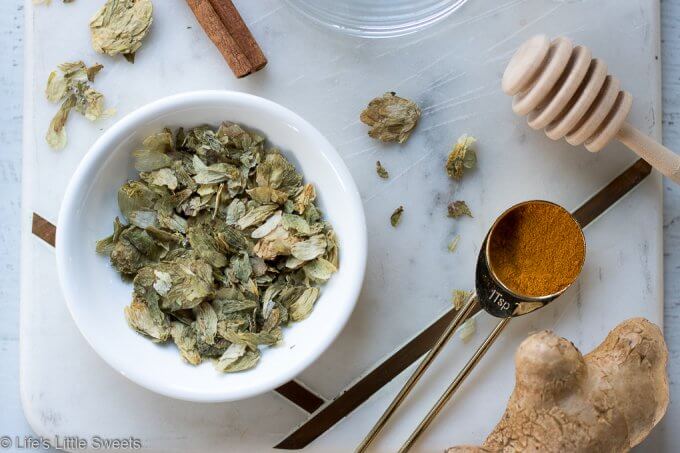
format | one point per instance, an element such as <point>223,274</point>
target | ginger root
<point>607,401</point>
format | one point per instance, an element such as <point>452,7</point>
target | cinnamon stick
<point>224,26</point>
<point>239,31</point>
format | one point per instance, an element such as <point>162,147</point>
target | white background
<point>12,421</point>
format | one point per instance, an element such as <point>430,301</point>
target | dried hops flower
<point>120,26</point>
<point>458,208</point>
<point>458,298</point>
<point>381,171</point>
<point>72,88</point>
<point>391,118</point>
<point>395,218</point>
<point>453,245</point>
<point>462,157</point>
<point>224,243</point>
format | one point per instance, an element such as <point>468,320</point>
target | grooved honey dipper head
<point>566,92</point>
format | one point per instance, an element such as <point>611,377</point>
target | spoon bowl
<point>495,297</point>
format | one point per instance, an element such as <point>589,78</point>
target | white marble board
<point>452,71</point>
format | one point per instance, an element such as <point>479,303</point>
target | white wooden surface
<point>11,420</point>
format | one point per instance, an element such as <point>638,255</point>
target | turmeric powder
<point>536,249</point>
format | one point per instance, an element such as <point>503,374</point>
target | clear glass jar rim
<point>362,22</point>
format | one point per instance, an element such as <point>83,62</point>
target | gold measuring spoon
<point>569,94</point>
<point>496,298</point>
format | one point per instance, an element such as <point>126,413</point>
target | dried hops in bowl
<point>223,241</point>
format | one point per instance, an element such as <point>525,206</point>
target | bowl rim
<point>105,145</point>
<point>362,26</point>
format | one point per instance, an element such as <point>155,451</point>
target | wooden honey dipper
<point>569,94</point>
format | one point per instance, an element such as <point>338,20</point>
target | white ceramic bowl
<point>96,294</point>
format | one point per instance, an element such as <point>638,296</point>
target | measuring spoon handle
<point>417,374</point>
<point>448,393</point>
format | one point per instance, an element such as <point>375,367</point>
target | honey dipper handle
<point>658,156</point>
